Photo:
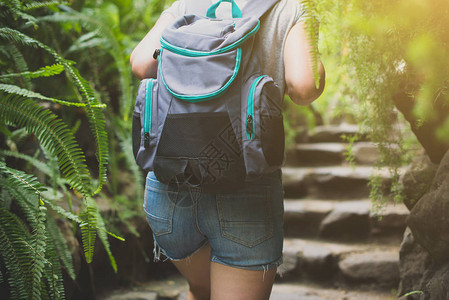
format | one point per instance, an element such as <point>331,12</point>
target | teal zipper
<point>148,108</point>
<point>250,120</point>
<point>199,98</point>
<point>196,53</point>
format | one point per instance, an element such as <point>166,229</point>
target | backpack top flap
<point>195,35</point>
<point>201,57</point>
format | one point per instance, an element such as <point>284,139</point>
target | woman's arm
<point>142,62</point>
<point>298,71</point>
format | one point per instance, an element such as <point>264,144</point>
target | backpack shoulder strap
<point>254,8</point>
<point>257,8</point>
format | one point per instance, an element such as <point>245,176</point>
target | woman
<point>228,246</point>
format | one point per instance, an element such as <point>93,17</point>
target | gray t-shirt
<point>270,39</point>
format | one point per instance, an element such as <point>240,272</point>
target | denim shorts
<point>243,228</point>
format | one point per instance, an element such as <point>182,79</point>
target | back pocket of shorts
<point>159,206</point>
<point>246,218</point>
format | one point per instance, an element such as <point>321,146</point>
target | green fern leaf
<point>104,239</point>
<point>60,247</point>
<point>12,252</point>
<point>13,53</point>
<point>113,47</point>
<point>89,228</point>
<point>46,71</point>
<point>95,115</point>
<point>53,134</point>
<point>13,89</point>
<point>38,247</point>
<point>36,5</point>
<point>57,254</point>
<point>68,215</point>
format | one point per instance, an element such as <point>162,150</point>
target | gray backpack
<point>210,119</point>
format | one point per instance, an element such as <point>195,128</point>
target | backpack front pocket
<point>195,77</point>
<point>263,137</point>
<point>199,149</point>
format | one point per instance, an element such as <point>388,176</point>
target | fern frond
<point>311,25</point>
<point>104,240</point>
<point>14,89</point>
<point>53,134</point>
<point>40,165</point>
<point>58,256</point>
<point>113,47</point>
<point>95,115</point>
<point>14,254</point>
<point>36,5</point>
<point>60,247</point>
<point>21,180</point>
<point>61,211</point>
<point>14,54</point>
<point>26,201</point>
<point>46,71</point>
<point>38,246</point>
<point>17,9</point>
<point>89,228</point>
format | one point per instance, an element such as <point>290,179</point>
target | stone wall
<point>424,254</point>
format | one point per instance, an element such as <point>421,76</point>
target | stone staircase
<point>335,247</point>
<point>332,237</point>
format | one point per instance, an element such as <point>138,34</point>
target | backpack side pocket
<point>145,125</point>
<point>263,129</point>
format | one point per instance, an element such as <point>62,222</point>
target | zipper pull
<point>249,125</point>
<point>156,53</point>
<point>146,142</point>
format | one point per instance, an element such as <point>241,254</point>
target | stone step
<point>334,133</point>
<point>316,154</point>
<point>341,182</point>
<point>326,154</point>
<point>343,220</point>
<point>312,291</point>
<point>176,288</point>
<point>341,264</point>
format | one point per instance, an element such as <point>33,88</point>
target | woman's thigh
<point>240,284</point>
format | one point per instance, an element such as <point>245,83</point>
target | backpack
<point>210,119</point>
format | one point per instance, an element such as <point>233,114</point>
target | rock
<point>417,179</point>
<point>429,218</point>
<point>132,295</point>
<point>291,265</point>
<point>314,259</point>
<point>168,295</point>
<point>349,220</point>
<point>413,262</point>
<point>379,267</point>
<point>341,182</point>
<point>390,221</point>
<point>294,183</point>
<point>438,286</point>
<point>365,153</point>
<point>302,218</point>
<point>319,262</point>
<point>315,154</point>
<point>333,134</point>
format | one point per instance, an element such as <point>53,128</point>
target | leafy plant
<point>34,252</point>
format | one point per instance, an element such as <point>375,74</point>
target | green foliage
<point>374,51</point>
<point>34,252</point>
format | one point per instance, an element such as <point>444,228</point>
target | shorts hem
<point>158,250</point>
<point>264,267</point>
